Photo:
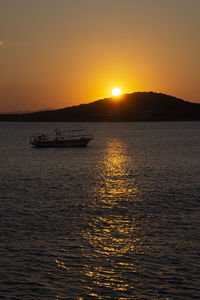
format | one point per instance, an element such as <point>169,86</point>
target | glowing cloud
<point>1,43</point>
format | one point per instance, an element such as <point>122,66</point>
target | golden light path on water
<point>112,234</point>
<point>106,241</point>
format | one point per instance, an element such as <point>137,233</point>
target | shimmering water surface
<point>116,220</point>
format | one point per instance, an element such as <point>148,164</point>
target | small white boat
<point>72,138</point>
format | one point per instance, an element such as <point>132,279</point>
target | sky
<point>59,53</point>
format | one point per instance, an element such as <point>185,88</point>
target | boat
<point>70,138</point>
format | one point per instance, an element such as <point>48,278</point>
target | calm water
<point>119,219</point>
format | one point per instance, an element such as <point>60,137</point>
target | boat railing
<point>76,133</point>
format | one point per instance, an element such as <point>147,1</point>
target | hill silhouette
<point>140,106</point>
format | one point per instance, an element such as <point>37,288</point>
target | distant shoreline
<point>146,121</point>
<point>136,107</point>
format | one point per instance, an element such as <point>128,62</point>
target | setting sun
<point>116,92</point>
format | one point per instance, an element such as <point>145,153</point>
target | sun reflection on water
<point>116,181</point>
<point>111,233</point>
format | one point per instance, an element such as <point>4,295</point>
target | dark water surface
<point>119,219</point>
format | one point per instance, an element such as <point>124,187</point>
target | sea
<point>118,219</point>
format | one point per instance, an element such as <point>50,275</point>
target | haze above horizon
<point>63,53</point>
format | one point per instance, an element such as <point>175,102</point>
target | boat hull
<point>61,143</point>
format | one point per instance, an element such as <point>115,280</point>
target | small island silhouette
<point>135,107</point>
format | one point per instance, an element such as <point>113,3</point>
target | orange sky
<point>60,53</point>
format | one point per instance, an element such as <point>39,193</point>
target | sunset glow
<point>75,52</point>
<point>116,92</point>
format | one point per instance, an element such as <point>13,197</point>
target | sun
<point>116,92</point>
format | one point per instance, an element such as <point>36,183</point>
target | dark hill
<point>141,106</point>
